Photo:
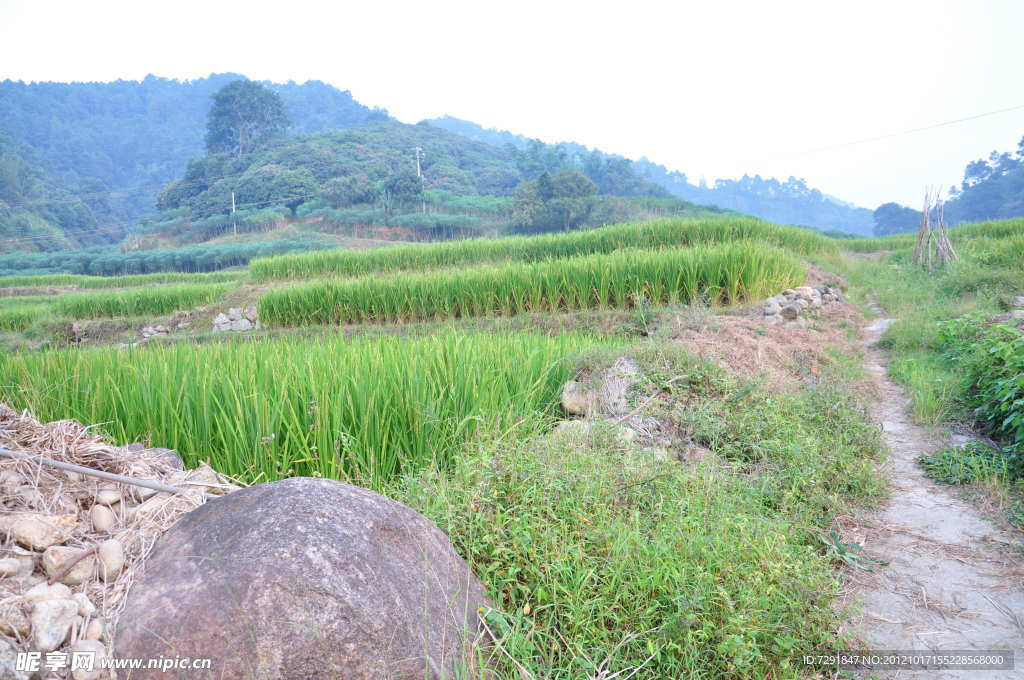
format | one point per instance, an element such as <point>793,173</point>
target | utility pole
<point>419,171</point>
<point>419,153</point>
<point>234,224</point>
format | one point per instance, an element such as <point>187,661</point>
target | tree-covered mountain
<point>35,211</point>
<point>789,202</point>
<point>422,179</point>
<point>122,141</point>
<point>992,189</point>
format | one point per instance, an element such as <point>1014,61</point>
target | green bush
<point>991,358</point>
<point>973,462</point>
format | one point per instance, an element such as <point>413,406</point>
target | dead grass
<point>784,356</point>
<point>142,516</point>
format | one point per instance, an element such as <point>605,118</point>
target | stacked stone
<point>792,306</point>
<point>237,319</point>
<point>154,331</point>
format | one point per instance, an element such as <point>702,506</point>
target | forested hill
<point>35,210</point>
<point>121,141</point>
<point>367,177</point>
<point>789,202</point>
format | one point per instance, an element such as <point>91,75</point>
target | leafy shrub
<point>973,462</point>
<point>992,359</point>
<point>997,369</point>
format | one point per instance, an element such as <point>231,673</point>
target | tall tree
<point>244,115</point>
<point>550,202</point>
<point>893,218</point>
<point>574,193</point>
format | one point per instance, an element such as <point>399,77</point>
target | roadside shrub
<point>973,462</point>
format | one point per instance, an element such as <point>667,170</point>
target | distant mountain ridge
<point>83,163</point>
<point>122,141</point>
<point>789,202</point>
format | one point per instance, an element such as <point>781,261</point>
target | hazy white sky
<point>710,88</point>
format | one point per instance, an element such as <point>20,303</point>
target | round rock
<point>304,578</point>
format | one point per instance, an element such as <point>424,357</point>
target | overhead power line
<point>912,131</point>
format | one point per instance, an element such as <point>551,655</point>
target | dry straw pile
<point>71,545</point>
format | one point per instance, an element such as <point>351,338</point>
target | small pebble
<point>42,592</point>
<point>103,519</point>
<point>95,630</point>
<point>111,554</point>
<point>85,605</point>
<point>108,495</point>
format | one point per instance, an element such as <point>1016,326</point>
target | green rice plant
<point>40,280</point>
<point>665,233</point>
<point>361,410</point>
<point>127,281</point>
<point>12,301</point>
<point>143,302</point>
<point>723,273</point>
<point>991,251</point>
<point>19,318</point>
<point>961,234</point>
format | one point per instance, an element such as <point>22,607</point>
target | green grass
<point>724,273</point>
<point>707,571</point>
<point>142,302</point>
<point>666,233</point>
<point>12,301</point>
<point>974,462</point>
<point>126,281</point>
<point>920,302</point>
<point>361,409</point>
<point>955,364</point>
<point>998,230</point>
<point>20,318</point>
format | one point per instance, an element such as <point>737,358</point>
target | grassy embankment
<point>596,551</point>
<point>955,363</point>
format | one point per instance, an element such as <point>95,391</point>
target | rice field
<point>141,302</point>
<point>18,318</point>
<point>126,281</point>
<point>667,233</point>
<point>363,410</point>
<point>1001,229</point>
<point>723,274</point>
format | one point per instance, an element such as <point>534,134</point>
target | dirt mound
<point>784,355</point>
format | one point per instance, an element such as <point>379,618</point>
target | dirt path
<point>954,581</point>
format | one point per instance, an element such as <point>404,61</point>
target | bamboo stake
<point>71,467</point>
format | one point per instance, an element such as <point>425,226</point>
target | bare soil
<point>954,580</point>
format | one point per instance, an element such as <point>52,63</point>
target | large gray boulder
<point>304,578</point>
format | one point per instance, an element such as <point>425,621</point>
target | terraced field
<point>689,545</point>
